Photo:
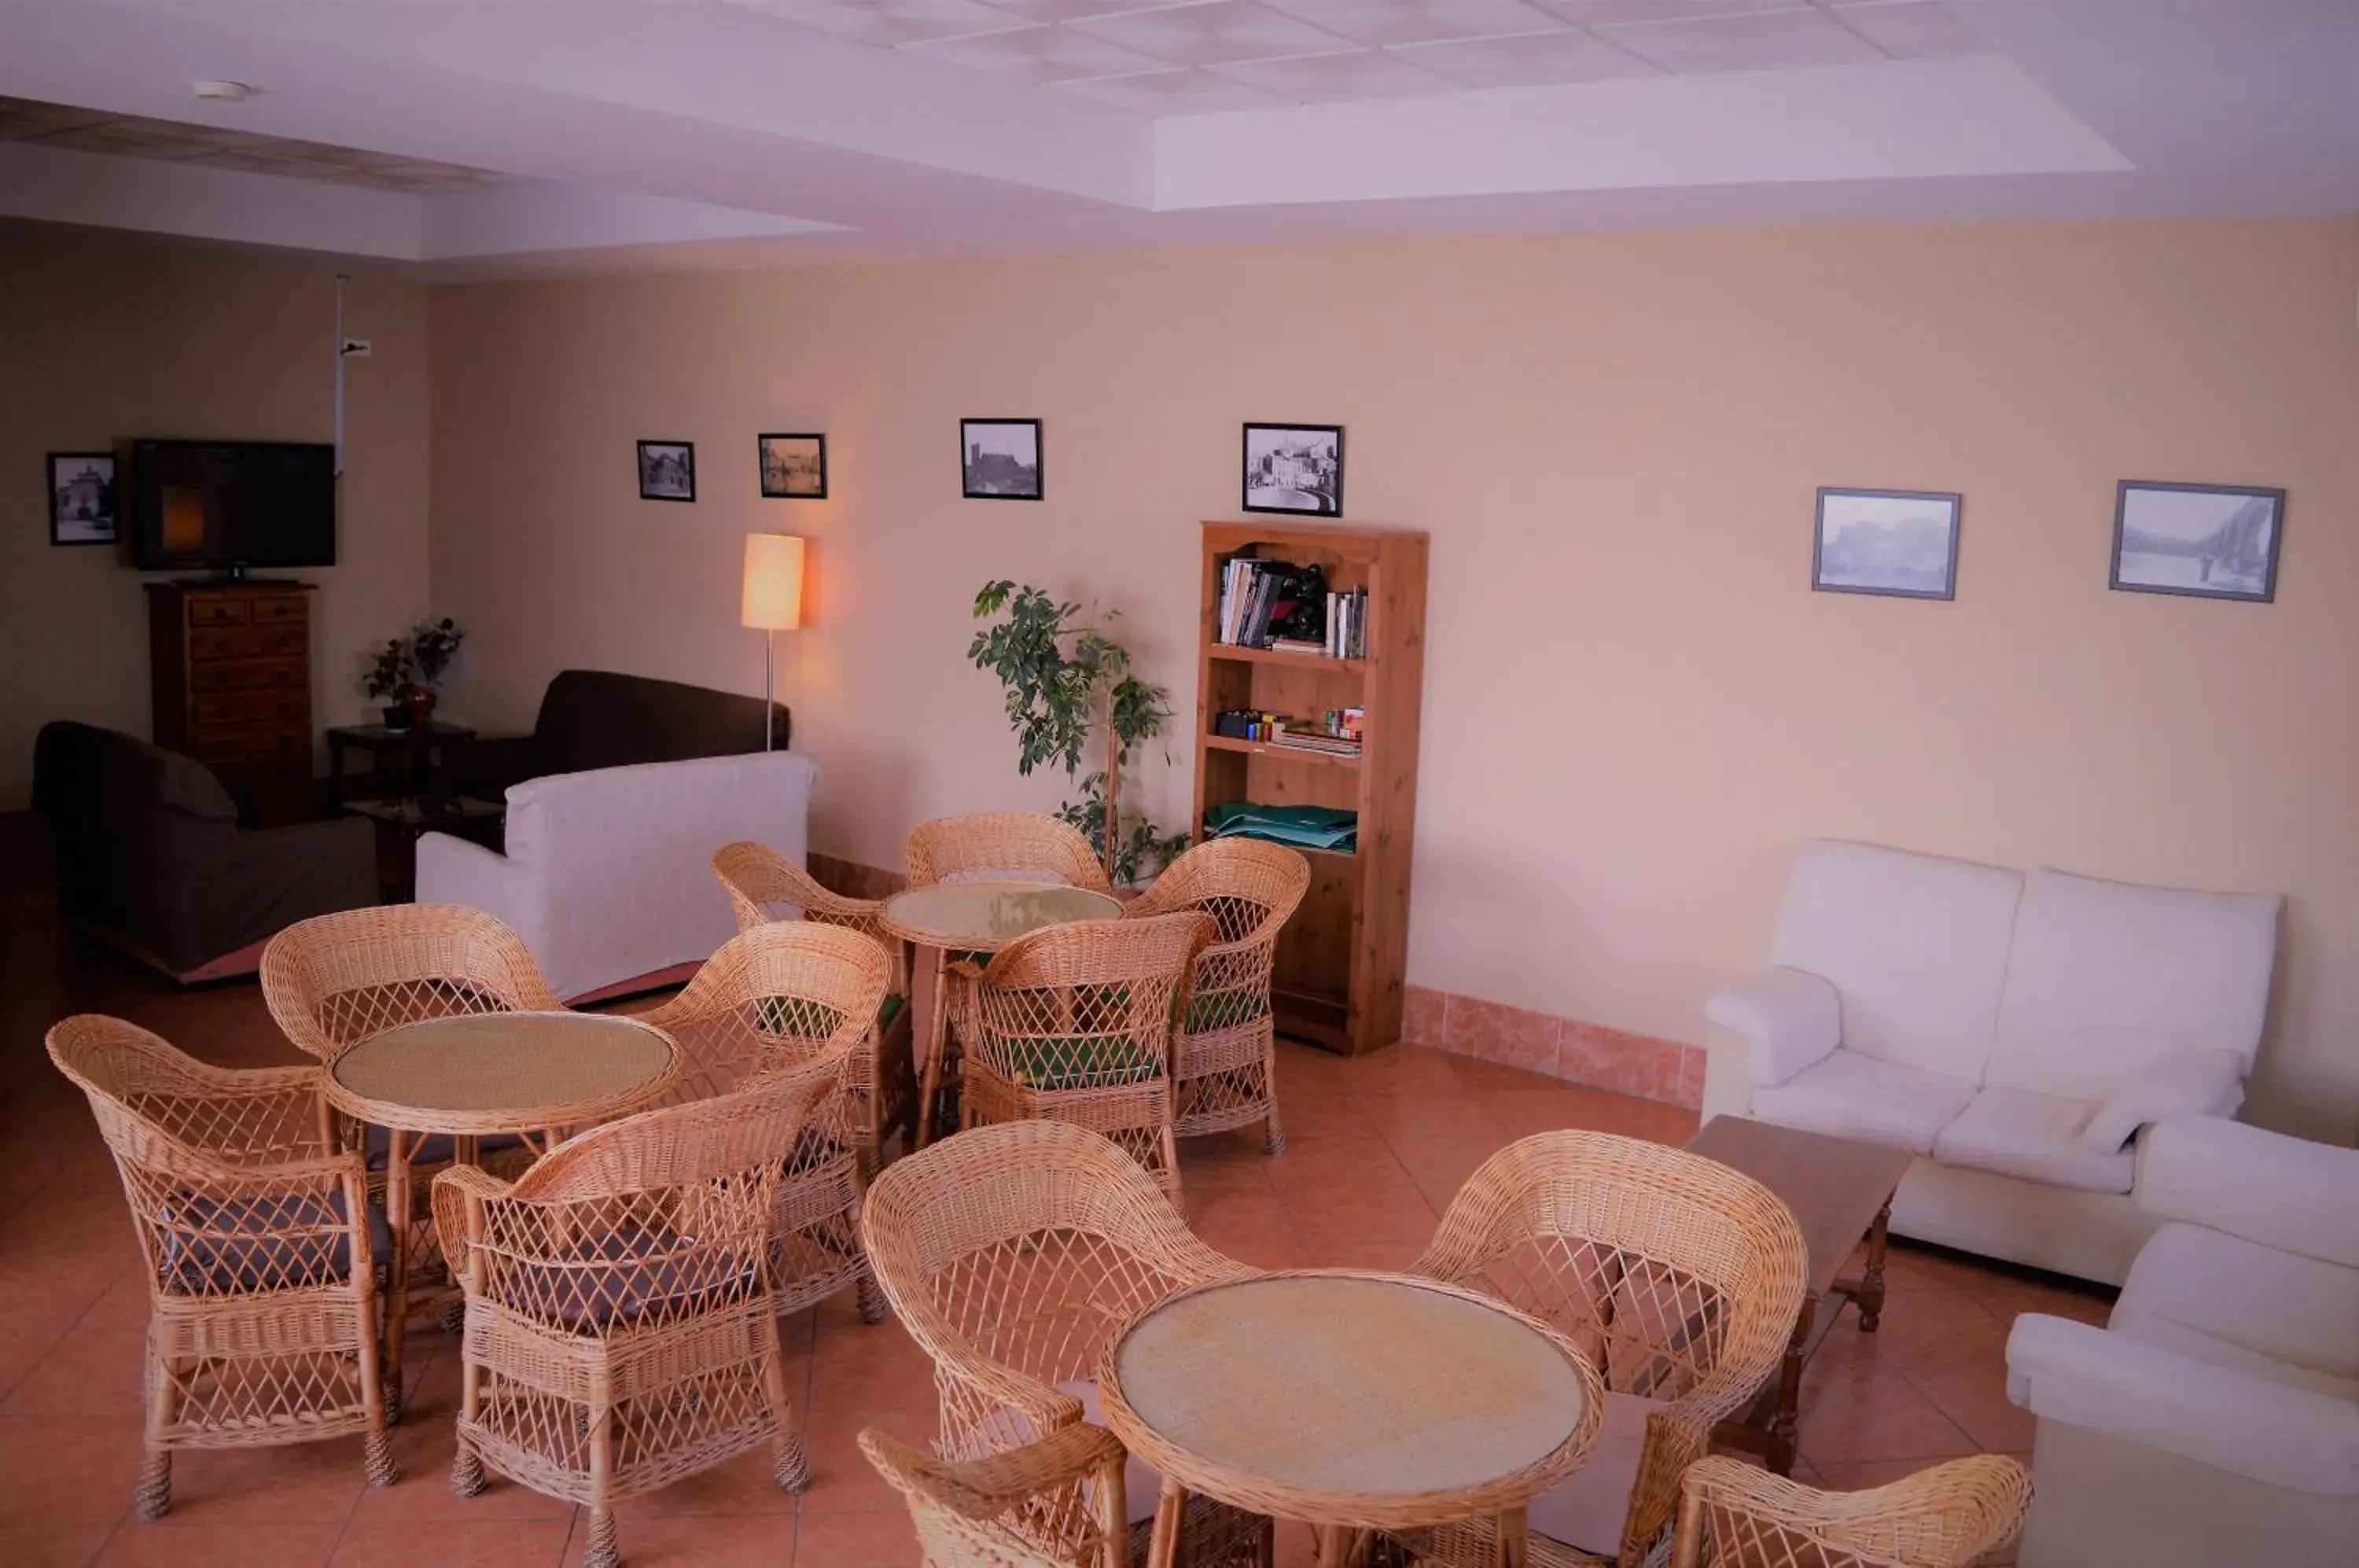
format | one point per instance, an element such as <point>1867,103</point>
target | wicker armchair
<point>881,1082</point>
<point>962,1510</point>
<point>1225,1054</point>
<point>1073,1023</point>
<point>255,1231</point>
<point>1682,1278</point>
<point>1012,1253</point>
<point>334,980</point>
<point>777,997</point>
<point>1020,845</point>
<point>1736,1516</point>
<point>620,1330</point>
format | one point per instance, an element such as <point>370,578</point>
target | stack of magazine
<point>1347,625</point>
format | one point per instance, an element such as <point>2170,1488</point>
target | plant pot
<point>396,716</point>
<point>421,708</point>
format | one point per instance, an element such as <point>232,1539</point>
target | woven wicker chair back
<point>1734,1515</point>
<point>1654,1260</point>
<point>1248,887</point>
<point>776,995</point>
<point>1022,1246</point>
<point>336,979</point>
<point>1019,844</point>
<point>764,886</point>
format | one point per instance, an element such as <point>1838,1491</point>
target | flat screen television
<point>227,505</point>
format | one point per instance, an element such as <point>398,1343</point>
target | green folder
<point>1304,827</point>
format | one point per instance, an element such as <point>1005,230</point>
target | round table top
<point>489,1072</point>
<point>1341,1397</point>
<point>984,916</point>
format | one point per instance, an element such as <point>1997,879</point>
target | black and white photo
<point>2213,541</point>
<point>1903,543</point>
<point>81,497</point>
<point>999,460</point>
<point>794,467</point>
<point>667,471</point>
<point>1295,468</point>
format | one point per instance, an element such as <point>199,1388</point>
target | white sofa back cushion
<point>2107,977</point>
<point>1915,944</point>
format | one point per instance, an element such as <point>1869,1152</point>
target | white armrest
<point>2193,1082</point>
<point>454,871</point>
<point>1786,1019</point>
<point>2263,1186</point>
<point>2273,1432</point>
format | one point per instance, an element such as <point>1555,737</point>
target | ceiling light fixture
<point>226,92</point>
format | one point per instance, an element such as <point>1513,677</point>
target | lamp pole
<point>769,686</point>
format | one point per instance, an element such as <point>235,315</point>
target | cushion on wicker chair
<point>1079,1062</point>
<point>626,1280</point>
<point>1225,1009</point>
<point>243,1243</point>
<point>1587,1509</point>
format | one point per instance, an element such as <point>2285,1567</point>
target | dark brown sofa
<point>595,718</point>
<point>150,857</point>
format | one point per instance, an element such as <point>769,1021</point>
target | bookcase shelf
<point>1341,959</point>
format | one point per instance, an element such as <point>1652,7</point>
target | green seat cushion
<point>797,1015</point>
<point>1080,1061</point>
<point>1213,1010</point>
<point>894,1003</point>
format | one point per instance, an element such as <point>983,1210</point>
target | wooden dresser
<point>231,666</point>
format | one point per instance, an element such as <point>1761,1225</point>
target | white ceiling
<point>539,136</point>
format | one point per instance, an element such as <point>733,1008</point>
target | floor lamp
<point>773,603</point>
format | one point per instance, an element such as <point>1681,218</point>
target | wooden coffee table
<point>1841,1190</point>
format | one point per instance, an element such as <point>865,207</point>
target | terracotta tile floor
<point>1377,1148</point>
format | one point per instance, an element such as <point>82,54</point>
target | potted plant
<point>1066,680</point>
<point>408,670</point>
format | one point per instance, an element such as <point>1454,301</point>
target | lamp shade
<point>774,582</point>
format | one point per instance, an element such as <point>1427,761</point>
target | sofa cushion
<point>1588,1509</point>
<point>596,718</point>
<point>1852,1096</point>
<point>2184,1082</point>
<point>2233,1302</point>
<point>2036,1136</point>
<point>2106,977</point>
<point>1916,946</point>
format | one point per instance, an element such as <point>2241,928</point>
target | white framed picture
<point>2206,541</point>
<point>1900,543</point>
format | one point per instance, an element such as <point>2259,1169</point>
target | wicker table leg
<point>936,1042</point>
<point>1163,1545</point>
<point>1513,1540</point>
<point>396,1268</point>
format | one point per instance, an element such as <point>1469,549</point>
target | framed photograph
<point>667,471</point>
<point>81,497</point>
<point>1295,468</point>
<point>794,467</point>
<point>1899,543</point>
<point>999,460</point>
<point>2211,541</point>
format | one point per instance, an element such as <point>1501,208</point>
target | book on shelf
<point>1271,603</point>
<point>1347,624</point>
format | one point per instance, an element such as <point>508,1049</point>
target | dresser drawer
<point>247,675</point>
<point>217,610</point>
<point>281,610</point>
<point>278,705</point>
<point>247,642</point>
<point>210,743</point>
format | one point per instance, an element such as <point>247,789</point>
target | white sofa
<point>2216,1419</point>
<point>2014,1030</point>
<point>608,875</point>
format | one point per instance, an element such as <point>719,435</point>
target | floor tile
<point>877,1540</point>
<point>170,1544</point>
<point>407,1543</point>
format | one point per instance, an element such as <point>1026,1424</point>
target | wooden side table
<point>400,822</point>
<point>1841,1191</point>
<point>416,747</point>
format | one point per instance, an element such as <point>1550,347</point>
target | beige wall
<point>101,345</point>
<point>1636,709</point>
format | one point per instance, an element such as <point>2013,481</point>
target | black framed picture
<point>2208,541</point>
<point>667,471</point>
<point>1295,468</point>
<point>999,460</point>
<point>81,497</point>
<point>1903,543</point>
<point>794,467</point>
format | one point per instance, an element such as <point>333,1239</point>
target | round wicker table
<point>527,1075</point>
<point>977,916</point>
<point>1352,1402</point>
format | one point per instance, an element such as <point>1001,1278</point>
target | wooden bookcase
<point>1340,960</point>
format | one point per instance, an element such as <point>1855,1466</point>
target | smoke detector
<point>225,91</point>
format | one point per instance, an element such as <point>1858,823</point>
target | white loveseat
<point>2216,1419</point>
<point>608,873</point>
<point>2014,1030</point>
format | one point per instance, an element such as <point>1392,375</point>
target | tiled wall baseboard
<point>1590,1055</point>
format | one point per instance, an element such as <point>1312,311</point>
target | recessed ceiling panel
<point>1379,23</point>
<point>1039,54</point>
<point>1912,29</point>
<point>1543,61</point>
<point>1173,93</point>
<point>1215,33</point>
<point>1761,40</point>
<point>1339,78</point>
<point>891,22</point>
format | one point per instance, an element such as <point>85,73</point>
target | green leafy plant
<point>1067,681</point>
<point>415,663</point>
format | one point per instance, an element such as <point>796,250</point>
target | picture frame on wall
<point>999,460</point>
<point>667,471</point>
<point>1901,544</point>
<point>2201,541</point>
<point>1294,468</point>
<point>794,467</point>
<point>82,497</point>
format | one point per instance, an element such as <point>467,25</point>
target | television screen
<point>232,504</point>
